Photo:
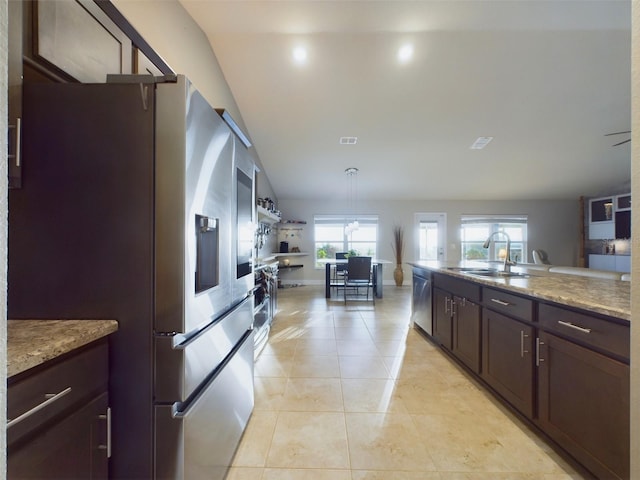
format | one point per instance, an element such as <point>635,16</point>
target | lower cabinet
<point>59,418</point>
<point>507,359</point>
<point>583,404</point>
<point>466,332</point>
<point>565,369</point>
<point>73,448</point>
<point>442,326</point>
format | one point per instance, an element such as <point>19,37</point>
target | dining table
<point>376,267</point>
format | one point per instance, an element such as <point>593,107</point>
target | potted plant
<point>398,250</point>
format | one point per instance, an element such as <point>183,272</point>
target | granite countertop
<point>603,296</point>
<point>33,342</point>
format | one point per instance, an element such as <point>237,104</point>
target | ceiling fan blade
<point>626,141</point>
<point>617,133</point>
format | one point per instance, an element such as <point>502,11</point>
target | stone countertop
<point>33,342</point>
<point>603,296</point>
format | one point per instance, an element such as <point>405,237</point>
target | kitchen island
<point>58,401</point>
<point>554,347</point>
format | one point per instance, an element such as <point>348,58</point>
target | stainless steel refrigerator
<point>137,205</point>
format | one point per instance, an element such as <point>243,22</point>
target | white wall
<point>553,226</point>
<point>173,34</point>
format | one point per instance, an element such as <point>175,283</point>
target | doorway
<point>430,230</point>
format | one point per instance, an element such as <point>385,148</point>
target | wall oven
<point>266,303</point>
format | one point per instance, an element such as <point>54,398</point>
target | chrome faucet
<point>507,259</point>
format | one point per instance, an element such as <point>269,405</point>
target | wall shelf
<point>266,216</point>
<point>293,254</point>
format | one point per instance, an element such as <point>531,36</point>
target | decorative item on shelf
<point>295,250</point>
<point>398,250</point>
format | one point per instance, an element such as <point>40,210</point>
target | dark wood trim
<point>116,17</point>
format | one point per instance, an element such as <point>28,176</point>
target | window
<point>330,237</point>
<point>475,230</point>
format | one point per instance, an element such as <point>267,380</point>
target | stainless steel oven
<point>265,296</point>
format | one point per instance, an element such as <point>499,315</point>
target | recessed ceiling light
<point>405,53</point>
<point>348,140</point>
<point>300,55</point>
<point>480,143</point>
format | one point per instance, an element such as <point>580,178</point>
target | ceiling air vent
<point>348,140</point>
<point>480,143</point>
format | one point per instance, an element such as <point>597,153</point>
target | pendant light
<point>352,188</point>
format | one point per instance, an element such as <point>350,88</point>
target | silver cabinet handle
<point>50,398</point>
<point>522,337</point>
<point>575,327</point>
<point>538,359</point>
<point>17,155</point>
<point>500,302</point>
<point>453,308</point>
<point>107,447</point>
<point>446,304</point>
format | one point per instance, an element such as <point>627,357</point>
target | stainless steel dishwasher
<point>421,300</point>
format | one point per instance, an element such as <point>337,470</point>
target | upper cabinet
<point>68,41</point>
<point>78,41</point>
<point>610,217</point>
<point>14,80</point>
<point>622,216</point>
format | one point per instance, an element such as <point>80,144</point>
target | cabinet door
<point>583,399</point>
<point>72,448</point>
<point>14,79</point>
<point>466,332</point>
<point>442,317</point>
<point>507,359</point>
<point>77,39</point>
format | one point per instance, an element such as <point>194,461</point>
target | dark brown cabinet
<point>563,368</point>
<point>14,81</point>
<point>507,359</point>
<point>456,318</point>
<point>59,418</point>
<point>70,449</point>
<point>78,41</point>
<point>583,394</point>
<point>466,332</point>
<point>442,324</point>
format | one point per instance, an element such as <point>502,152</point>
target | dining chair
<point>340,270</point>
<point>540,257</point>
<point>358,275</point>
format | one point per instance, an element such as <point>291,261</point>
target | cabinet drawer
<point>586,329</point>
<point>461,288</point>
<point>55,389</point>
<point>507,303</point>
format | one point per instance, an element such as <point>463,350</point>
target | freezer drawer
<point>181,365</point>
<point>200,441</point>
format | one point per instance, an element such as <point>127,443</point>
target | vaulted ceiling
<point>546,79</point>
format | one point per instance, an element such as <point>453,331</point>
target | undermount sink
<point>470,269</point>
<point>496,273</point>
<point>488,272</point>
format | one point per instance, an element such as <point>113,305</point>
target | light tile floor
<point>355,393</point>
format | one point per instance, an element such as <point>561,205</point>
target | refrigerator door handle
<point>178,410</point>
<point>183,340</point>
